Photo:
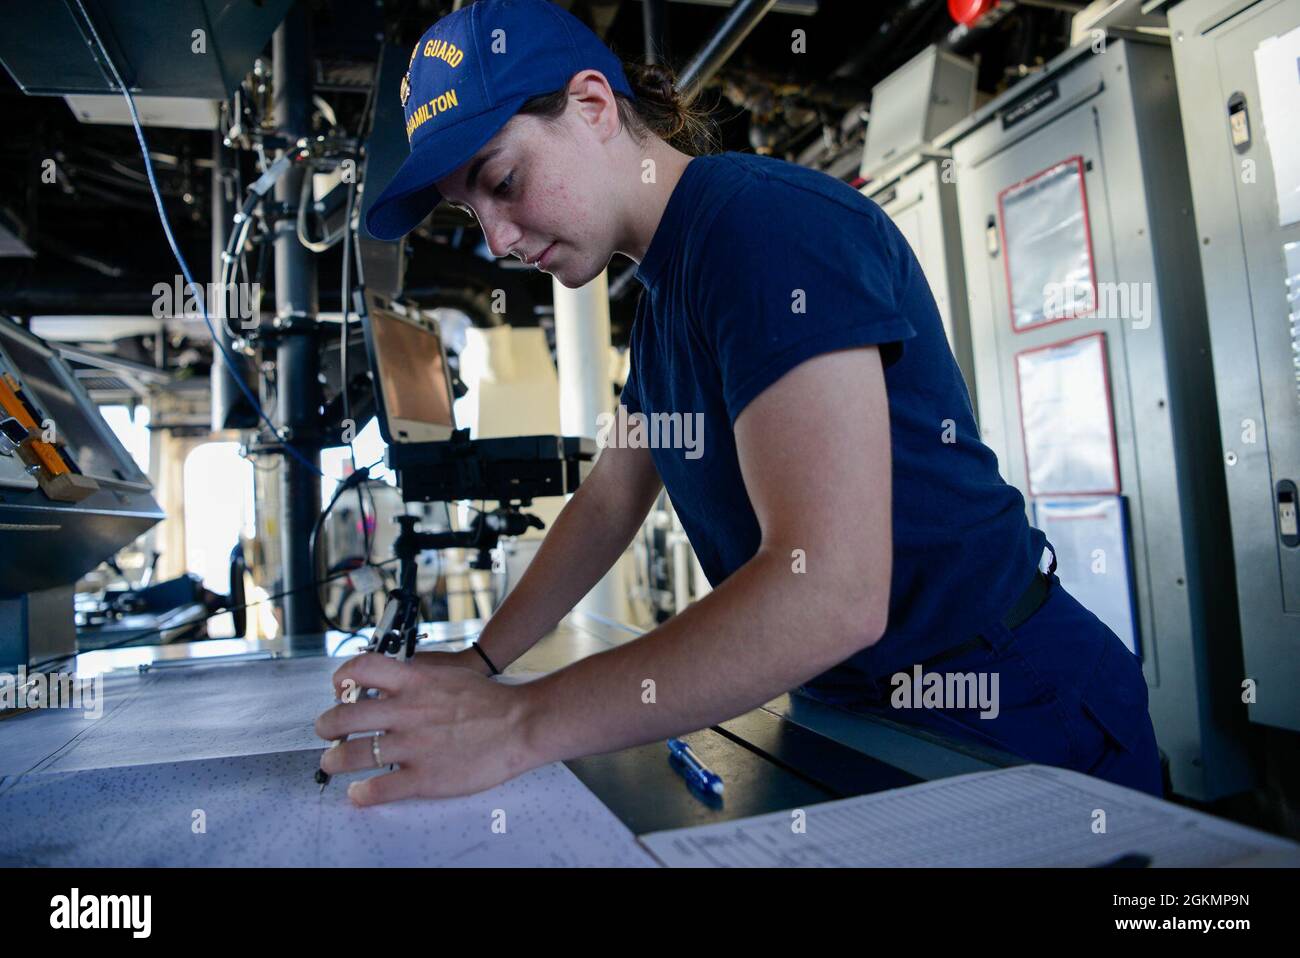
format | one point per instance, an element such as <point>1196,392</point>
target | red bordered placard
<point>1077,162</point>
<point>1112,446</point>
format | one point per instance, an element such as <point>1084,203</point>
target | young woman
<point>841,504</point>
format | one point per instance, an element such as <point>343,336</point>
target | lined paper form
<point>214,765</point>
<point>267,811</point>
<point>1025,816</point>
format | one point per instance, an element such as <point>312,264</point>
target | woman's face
<point>536,188</point>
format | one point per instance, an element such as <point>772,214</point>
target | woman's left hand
<point>449,731</point>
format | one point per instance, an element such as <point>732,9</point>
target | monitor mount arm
<point>397,632</point>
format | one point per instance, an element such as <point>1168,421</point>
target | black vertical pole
<point>221,214</point>
<point>298,392</point>
<point>230,410</point>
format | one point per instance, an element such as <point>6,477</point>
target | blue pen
<point>693,769</point>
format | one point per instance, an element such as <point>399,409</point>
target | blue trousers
<point>1069,693</point>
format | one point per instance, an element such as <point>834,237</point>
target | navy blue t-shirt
<point>759,265</point>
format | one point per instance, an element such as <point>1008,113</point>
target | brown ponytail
<point>658,109</point>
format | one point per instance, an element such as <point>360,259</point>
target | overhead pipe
<point>741,19</point>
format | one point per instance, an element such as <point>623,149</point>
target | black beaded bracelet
<point>483,655</point>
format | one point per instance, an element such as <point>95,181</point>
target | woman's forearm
<point>586,539</point>
<point>760,633</point>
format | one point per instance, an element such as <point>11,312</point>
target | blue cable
<point>226,355</point>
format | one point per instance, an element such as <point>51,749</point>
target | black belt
<point>1030,600</point>
<point>1035,595</point>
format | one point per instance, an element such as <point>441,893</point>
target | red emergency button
<point>969,12</point>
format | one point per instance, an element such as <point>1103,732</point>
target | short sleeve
<point>787,275</point>
<point>630,396</point>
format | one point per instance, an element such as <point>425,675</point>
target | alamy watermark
<point>130,912</point>
<point>659,430</point>
<point>1130,301</point>
<point>52,690</point>
<point>946,690</point>
<point>233,301</point>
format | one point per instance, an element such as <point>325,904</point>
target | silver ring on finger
<point>374,750</point>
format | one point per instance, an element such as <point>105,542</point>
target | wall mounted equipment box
<point>915,103</point>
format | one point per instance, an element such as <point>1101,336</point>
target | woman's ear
<point>594,101</point>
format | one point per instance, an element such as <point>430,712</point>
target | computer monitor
<point>413,388</point>
<point>413,393</point>
<point>78,425</point>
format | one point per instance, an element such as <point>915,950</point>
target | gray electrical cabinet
<point>1093,378</point>
<point>919,195</point>
<point>1238,70</point>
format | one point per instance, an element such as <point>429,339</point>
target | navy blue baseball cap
<point>468,75</point>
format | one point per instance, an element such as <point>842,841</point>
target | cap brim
<point>411,194</point>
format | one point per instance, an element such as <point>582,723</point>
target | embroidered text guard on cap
<point>468,75</point>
